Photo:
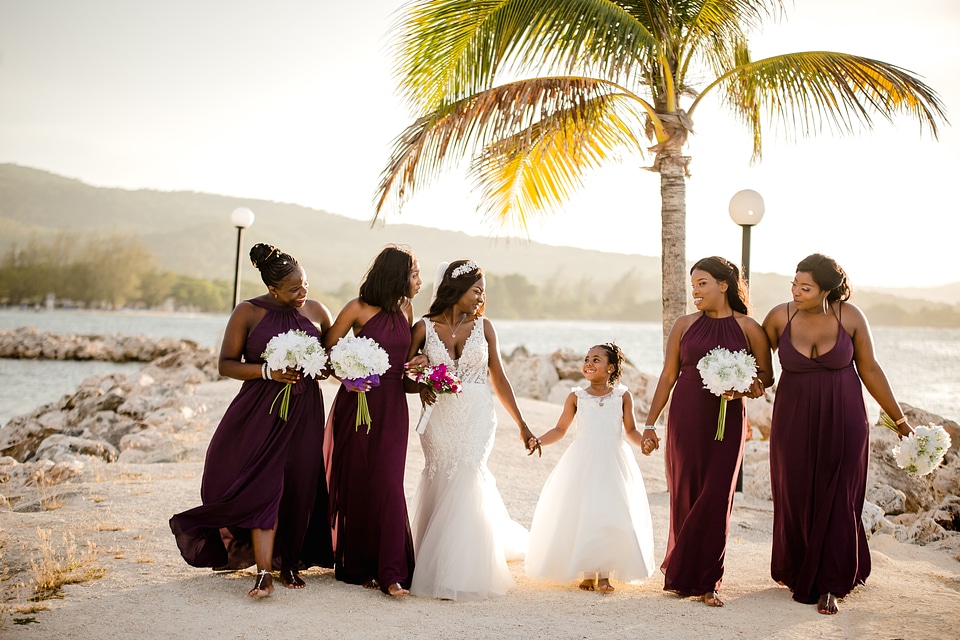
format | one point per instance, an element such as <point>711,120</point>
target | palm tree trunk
<point>672,166</point>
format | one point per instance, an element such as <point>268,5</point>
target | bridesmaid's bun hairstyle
<point>615,357</point>
<point>388,278</point>
<point>828,275</point>
<point>457,280</point>
<point>273,264</point>
<point>725,271</point>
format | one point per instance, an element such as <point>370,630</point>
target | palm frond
<point>536,170</point>
<point>814,90</point>
<point>447,50</point>
<point>467,127</point>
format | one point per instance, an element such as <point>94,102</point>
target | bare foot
<point>604,586</point>
<point>263,586</point>
<point>397,591</point>
<point>828,604</point>
<point>587,585</point>
<point>371,584</point>
<point>712,599</point>
<point>291,579</point>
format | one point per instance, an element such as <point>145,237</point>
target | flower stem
<point>722,419</point>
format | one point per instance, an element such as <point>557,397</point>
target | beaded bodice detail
<point>600,416</point>
<point>471,366</point>
<point>462,427</point>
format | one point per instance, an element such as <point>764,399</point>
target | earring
<point>826,305</point>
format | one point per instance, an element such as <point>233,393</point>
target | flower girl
<point>592,521</point>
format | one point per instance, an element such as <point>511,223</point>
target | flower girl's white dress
<point>462,533</point>
<point>593,514</point>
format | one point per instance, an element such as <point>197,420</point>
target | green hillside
<point>191,235</point>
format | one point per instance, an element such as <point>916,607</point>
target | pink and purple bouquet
<point>357,360</point>
<point>441,380</point>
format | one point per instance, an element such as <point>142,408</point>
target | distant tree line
<point>119,271</point>
<point>96,271</point>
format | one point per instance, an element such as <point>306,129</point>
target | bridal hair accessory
<point>464,269</point>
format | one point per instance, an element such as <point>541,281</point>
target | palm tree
<point>536,93</point>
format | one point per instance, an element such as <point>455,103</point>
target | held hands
<point>417,363</point>
<point>530,442</point>
<point>650,442</point>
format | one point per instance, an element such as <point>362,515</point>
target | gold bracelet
<point>900,421</point>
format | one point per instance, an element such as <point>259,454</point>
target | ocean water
<point>922,364</point>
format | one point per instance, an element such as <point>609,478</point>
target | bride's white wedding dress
<point>462,533</point>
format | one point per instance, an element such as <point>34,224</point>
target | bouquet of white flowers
<point>723,370</point>
<point>357,360</point>
<point>922,451</point>
<point>297,350</point>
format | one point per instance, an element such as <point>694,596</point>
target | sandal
<point>291,579</point>
<point>263,586</point>
<point>827,604</point>
<point>712,599</point>
<point>604,586</point>
<point>371,584</point>
<point>397,591</point>
<point>587,585</point>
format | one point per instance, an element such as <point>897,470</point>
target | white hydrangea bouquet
<point>723,370</point>
<point>357,360</point>
<point>922,451</point>
<point>297,350</point>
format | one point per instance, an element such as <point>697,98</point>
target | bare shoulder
<point>851,317</point>
<point>777,315</point>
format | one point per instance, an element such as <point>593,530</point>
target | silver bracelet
<point>263,372</point>
<point>650,426</point>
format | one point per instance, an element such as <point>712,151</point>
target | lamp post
<point>241,218</point>
<point>746,209</point>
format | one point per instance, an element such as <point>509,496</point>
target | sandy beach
<point>116,514</point>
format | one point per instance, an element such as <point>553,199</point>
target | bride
<point>462,534</point>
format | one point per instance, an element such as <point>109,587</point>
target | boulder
<point>59,447</point>
<point>871,516</point>
<point>891,500</point>
<point>532,376</point>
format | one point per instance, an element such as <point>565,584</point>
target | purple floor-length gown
<point>259,469</point>
<point>819,450</point>
<point>703,471</point>
<point>368,508</point>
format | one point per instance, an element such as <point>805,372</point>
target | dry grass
<point>49,497</point>
<point>53,566</point>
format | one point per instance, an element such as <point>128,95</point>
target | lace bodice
<point>600,416</point>
<point>471,366</point>
<point>462,426</point>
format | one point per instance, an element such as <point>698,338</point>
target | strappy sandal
<point>604,586</point>
<point>828,605</point>
<point>371,584</point>
<point>396,590</point>
<point>263,586</point>
<point>291,579</point>
<point>712,599</point>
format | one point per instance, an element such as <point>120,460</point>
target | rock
<point>568,363</point>
<point>58,447</point>
<point>891,500</point>
<point>871,516</point>
<point>532,377</point>
<point>924,531</point>
<point>760,413</point>
<point>28,342</point>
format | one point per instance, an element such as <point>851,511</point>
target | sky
<point>294,101</point>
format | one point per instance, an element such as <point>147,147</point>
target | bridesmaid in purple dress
<point>702,471</point>
<point>262,475</point>
<point>368,509</point>
<point>819,440</point>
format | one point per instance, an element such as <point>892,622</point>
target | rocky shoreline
<point>142,418</point>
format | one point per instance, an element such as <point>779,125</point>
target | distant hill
<point>191,234</point>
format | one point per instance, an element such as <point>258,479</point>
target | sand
<point>147,591</point>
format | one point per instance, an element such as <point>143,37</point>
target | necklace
<point>601,399</point>
<point>453,332</point>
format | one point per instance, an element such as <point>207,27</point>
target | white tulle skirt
<point>592,516</point>
<point>463,537</point>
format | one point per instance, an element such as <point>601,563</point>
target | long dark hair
<point>828,275</point>
<point>274,265</point>
<point>725,271</point>
<point>388,278</point>
<point>452,287</point>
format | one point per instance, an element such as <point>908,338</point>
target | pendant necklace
<point>601,399</point>
<point>453,332</point>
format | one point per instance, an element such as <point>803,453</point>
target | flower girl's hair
<point>615,357</point>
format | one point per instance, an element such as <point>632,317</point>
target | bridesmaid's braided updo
<point>273,264</point>
<point>615,357</point>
